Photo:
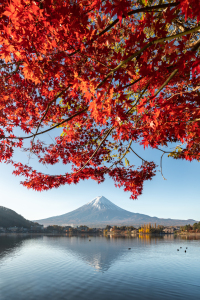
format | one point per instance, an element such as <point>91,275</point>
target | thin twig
<point>15,71</point>
<point>140,96</point>
<point>96,150</point>
<point>109,85</point>
<point>46,111</point>
<point>139,156</point>
<point>198,87</point>
<point>115,163</point>
<point>93,59</point>
<point>128,85</point>
<point>161,166</point>
<point>163,150</point>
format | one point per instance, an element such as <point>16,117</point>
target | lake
<point>59,267</point>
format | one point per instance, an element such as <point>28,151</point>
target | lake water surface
<point>53,267</point>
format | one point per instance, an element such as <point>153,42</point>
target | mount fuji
<point>101,212</point>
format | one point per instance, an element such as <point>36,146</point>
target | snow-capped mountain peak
<point>101,202</point>
<point>101,212</point>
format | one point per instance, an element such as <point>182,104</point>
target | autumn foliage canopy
<point>102,75</point>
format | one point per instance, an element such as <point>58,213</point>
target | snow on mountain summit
<point>101,202</point>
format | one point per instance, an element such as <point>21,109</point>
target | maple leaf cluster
<point>105,73</point>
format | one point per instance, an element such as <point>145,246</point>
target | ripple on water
<point>72,268</point>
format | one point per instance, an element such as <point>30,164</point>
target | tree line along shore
<point>108,230</point>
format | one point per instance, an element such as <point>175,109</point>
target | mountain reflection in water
<point>100,253</point>
<point>59,267</point>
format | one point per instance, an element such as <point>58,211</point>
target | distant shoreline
<point>110,234</point>
<point>49,234</point>
<point>189,233</point>
<point>155,234</point>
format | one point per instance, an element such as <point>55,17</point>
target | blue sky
<point>177,197</point>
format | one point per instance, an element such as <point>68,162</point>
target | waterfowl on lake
<point>181,247</point>
<point>185,251</point>
<point>186,247</point>
<point>177,249</point>
<point>129,248</point>
<point>89,240</point>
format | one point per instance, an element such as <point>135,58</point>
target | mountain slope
<point>101,212</point>
<point>9,218</point>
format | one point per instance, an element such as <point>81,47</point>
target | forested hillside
<point>9,217</point>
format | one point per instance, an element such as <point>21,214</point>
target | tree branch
<point>46,111</point>
<point>166,82</point>
<point>111,129</point>
<point>147,46</point>
<point>144,9</point>
<point>42,132</point>
<point>115,163</point>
